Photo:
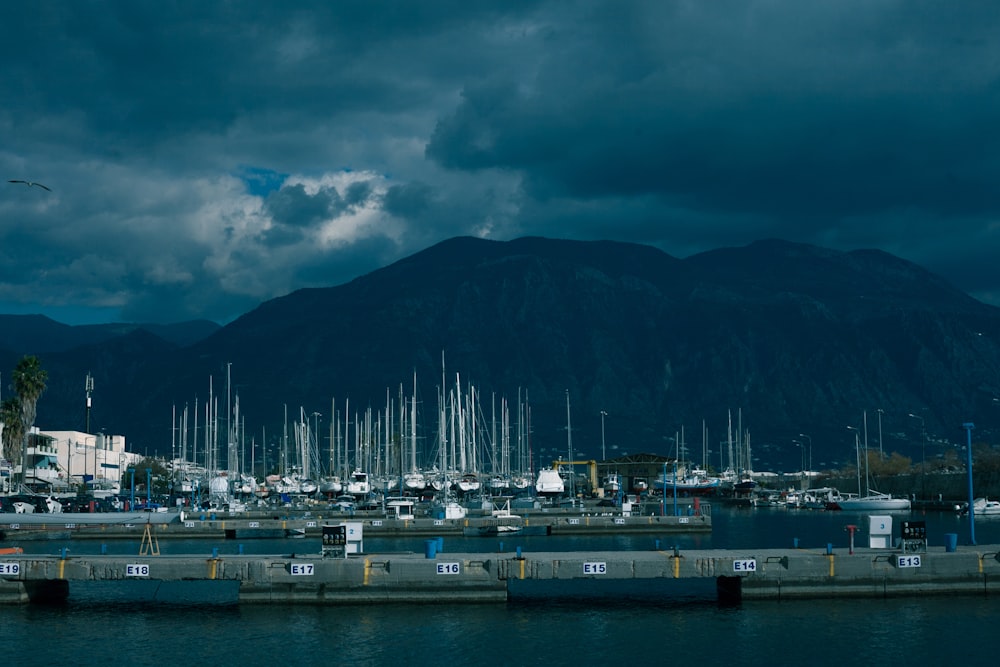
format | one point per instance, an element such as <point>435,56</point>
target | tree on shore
<point>10,417</point>
<point>29,383</point>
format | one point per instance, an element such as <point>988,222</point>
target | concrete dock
<point>269,526</point>
<point>434,577</point>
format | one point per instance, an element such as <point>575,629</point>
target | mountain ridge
<point>797,338</point>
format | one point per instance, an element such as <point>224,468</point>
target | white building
<point>62,461</point>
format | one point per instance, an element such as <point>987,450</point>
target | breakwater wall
<point>435,577</point>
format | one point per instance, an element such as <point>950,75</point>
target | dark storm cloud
<point>293,206</point>
<point>408,201</point>
<point>205,157</point>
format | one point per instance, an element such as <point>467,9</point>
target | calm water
<point>89,629</point>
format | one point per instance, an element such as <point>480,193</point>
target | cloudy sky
<point>206,156</point>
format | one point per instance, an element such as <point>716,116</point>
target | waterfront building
<point>67,461</point>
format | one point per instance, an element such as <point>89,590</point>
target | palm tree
<point>10,417</point>
<point>29,383</point>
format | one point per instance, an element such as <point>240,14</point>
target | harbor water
<point>143,628</point>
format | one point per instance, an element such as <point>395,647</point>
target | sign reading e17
<point>302,569</point>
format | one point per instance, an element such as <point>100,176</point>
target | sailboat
<point>869,500</point>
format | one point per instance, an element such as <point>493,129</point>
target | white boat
<point>820,498</point>
<point>414,482</point>
<point>769,498</point>
<point>986,507</point>
<point>873,502</point>
<point>467,483</point>
<point>867,499</point>
<point>612,483</point>
<point>358,484</point>
<point>549,483</point>
<point>330,486</point>
<point>695,482</point>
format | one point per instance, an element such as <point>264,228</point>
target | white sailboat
<point>869,500</point>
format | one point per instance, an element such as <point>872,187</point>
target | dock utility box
<point>342,539</point>
<point>913,536</point>
<point>880,532</point>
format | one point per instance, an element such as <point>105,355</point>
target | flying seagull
<point>30,183</point>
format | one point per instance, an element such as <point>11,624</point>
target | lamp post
<point>809,438</point>
<point>881,453</point>
<point>968,426</point>
<point>802,456</point>
<point>604,455</point>
<point>923,452</point>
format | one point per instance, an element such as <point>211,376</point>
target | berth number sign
<point>302,569</point>
<point>745,565</point>
<point>137,570</point>
<point>908,561</point>
<point>10,568</point>
<point>595,568</point>
<point>448,568</point>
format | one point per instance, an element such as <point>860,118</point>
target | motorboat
<point>549,483</point>
<point>612,484</point>
<point>985,507</point>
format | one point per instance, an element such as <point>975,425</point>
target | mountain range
<point>777,341</point>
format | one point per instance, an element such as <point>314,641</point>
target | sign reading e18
<point>137,570</point>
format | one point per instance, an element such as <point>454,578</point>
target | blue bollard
<point>500,549</point>
<point>104,549</point>
<point>829,549</point>
<point>215,552</point>
<point>64,551</point>
<point>795,543</point>
<point>241,549</point>
<point>657,545</point>
<point>519,553</point>
<point>440,544</point>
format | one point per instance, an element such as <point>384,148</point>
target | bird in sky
<point>30,183</point>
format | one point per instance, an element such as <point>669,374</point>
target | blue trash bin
<point>430,548</point>
<point>950,542</point>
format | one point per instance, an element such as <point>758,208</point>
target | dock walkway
<point>432,577</point>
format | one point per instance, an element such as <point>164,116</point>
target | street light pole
<point>881,453</point>
<point>923,454</point>
<point>968,426</point>
<point>604,456</point>
<point>809,438</point>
